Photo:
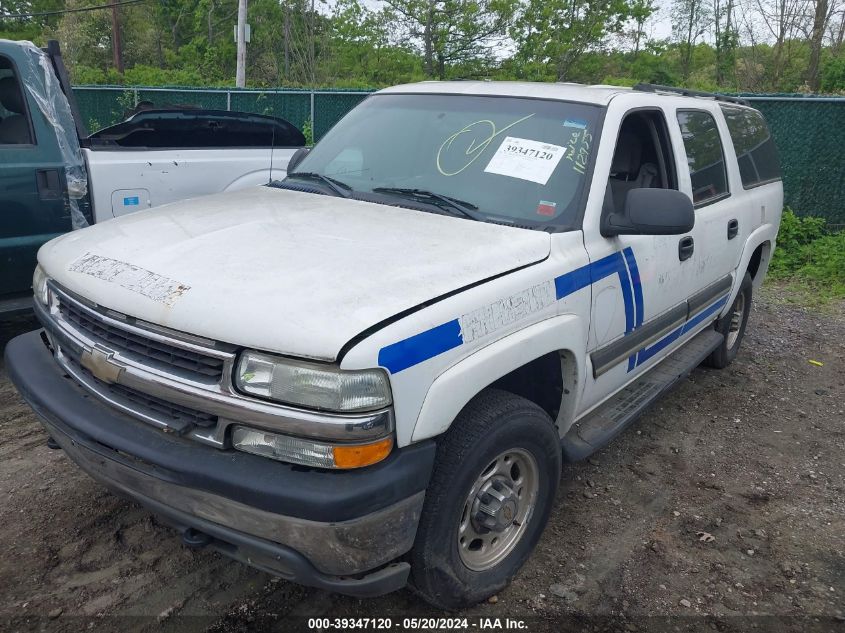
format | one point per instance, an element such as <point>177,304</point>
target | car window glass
<point>642,159</point>
<point>755,150</point>
<point>515,160</point>
<point>14,125</point>
<point>705,158</point>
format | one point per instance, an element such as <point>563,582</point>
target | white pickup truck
<point>54,176</point>
<point>370,373</point>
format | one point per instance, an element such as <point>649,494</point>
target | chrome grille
<point>174,413</point>
<point>178,382</point>
<point>207,367</point>
<point>179,418</point>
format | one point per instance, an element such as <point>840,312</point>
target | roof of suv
<point>599,95</point>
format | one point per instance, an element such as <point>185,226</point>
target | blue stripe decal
<point>638,288</point>
<point>606,266</point>
<point>566,284</point>
<point>420,347</point>
<point>649,352</point>
<point>442,338</point>
<point>639,314</point>
<point>698,318</point>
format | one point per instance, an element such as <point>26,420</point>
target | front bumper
<point>339,531</point>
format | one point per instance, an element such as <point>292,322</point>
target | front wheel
<point>490,496</point>
<point>732,326</point>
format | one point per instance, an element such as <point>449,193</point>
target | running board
<point>609,419</point>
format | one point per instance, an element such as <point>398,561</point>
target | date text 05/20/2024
<point>424,624</point>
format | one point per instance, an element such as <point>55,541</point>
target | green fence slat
<point>291,106</point>
<point>329,108</point>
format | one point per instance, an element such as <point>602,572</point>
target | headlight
<point>310,453</point>
<point>39,285</point>
<point>312,385</point>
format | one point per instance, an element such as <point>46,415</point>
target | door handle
<point>733,229</point>
<point>685,247</point>
<point>49,184</point>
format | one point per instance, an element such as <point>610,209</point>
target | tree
<point>691,19</point>
<point>822,12</point>
<point>558,32</point>
<point>453,32</point>
<point>782,19</point>
<point>726,39</point>
<point>641,11</point>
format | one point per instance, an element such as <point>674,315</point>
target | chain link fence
<point>809,131</point>
<point>810,135</point>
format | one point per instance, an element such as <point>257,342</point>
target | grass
<point>809,261</point>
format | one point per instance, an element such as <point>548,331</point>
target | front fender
<point>455,387</point>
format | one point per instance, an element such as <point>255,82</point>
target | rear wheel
<point>732,326</point>
<point>490,496</point>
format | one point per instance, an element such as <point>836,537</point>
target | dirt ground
<point>722,509</point>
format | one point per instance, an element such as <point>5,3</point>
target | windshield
<point>504,159</point>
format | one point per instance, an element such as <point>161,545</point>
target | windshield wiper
<point>466,209</point>
<point>340,188</point>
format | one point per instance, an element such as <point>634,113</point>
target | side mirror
<point>651,212</point>
<point>297,157</point>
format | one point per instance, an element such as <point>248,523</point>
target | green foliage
<point>308,132</point>
<point>794,234</point>
<point>833,75</point>
<point>559,32</point>
<point>361,44</point>
<point>807,252</point>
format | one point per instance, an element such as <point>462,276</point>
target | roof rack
<point>689,93</point>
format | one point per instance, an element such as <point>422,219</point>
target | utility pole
<point>240,75</point>
<point>116,45</point>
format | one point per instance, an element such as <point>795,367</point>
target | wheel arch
<point>543,363</point>
<point>758,263</point>
<point>755,260</point>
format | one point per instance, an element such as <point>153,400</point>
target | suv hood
<point>282,271</point>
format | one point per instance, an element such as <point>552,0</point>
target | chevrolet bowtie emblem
<point>99,362</point>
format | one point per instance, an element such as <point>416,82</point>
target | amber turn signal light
<point>360,455</point>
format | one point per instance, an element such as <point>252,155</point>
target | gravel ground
<point>722,509</point>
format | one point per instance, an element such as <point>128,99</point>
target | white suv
<point>369,373</point>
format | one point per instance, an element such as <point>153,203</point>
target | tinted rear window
<point>199,128</point>
<point>755,150</point>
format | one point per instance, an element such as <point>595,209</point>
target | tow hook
<point>53,444</point>
<point>196,539</point>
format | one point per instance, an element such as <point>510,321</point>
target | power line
<point>63,11</point>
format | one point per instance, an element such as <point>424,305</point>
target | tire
<point>516,436</point>
<point>732,325</point>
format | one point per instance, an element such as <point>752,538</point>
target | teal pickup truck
<point>55,177</point>
<point>42,187</point>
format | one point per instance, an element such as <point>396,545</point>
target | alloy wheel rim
<point>736,321</point>
<point>497,510</point>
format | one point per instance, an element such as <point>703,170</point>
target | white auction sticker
<point>525,159</point>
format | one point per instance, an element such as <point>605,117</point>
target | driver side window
<point>643,158</point>
<point>14,123</point>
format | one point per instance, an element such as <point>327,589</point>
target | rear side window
<point>755,150</point>
<point>705,158</point>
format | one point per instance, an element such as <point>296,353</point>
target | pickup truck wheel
<point>493,486</point>
<point>732,325</point>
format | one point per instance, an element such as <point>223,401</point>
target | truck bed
<point>122,181</point>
